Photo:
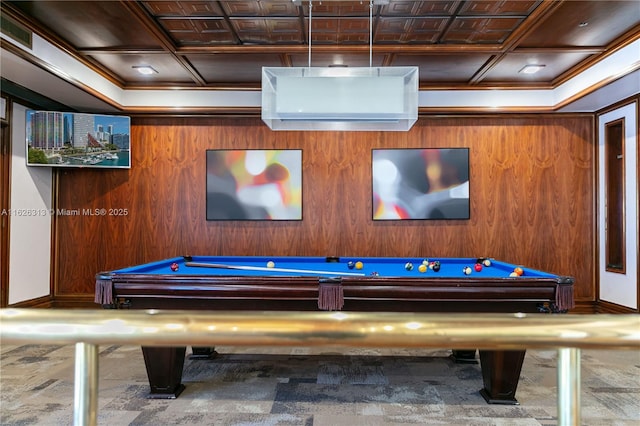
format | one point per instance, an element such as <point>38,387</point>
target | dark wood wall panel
<point>532,197</point>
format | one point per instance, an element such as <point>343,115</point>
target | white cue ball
<point>271,264</point>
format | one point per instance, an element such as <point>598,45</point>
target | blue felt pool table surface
<point>329,266</point>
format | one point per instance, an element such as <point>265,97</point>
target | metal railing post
<point>568,387</point>
<point>85,401</point>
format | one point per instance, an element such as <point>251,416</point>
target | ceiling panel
<point>416,31</point>
<point>169,71</point>
<point>486,7</point>
<point>420,8</point>
<point>183,8</point>
<point>90,24</point>
<point>338,8</point>
<point>260,8</point>
<point>481,30</point>
<point>585,23</point>
<point>190,32</point>
<point>444,68</point>
<point>268,31</point>
<point>244,68</point>
<point>507,69</point>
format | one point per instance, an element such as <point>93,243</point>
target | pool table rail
<point>446,294</point>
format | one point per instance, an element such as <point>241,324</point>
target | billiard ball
<point>351,264</point>
<point>514,275</point>
<point>174,266</point>
<point>359,265</point>
<point>425,262</point>
<point>436,266</point>
<point>422,268</point>
<point>466,270</point>
<point>478,267</point>
<point>271,264</point>
<point>518,270</point>
<point>375,274</point>
<point>408,266</point>
<point>486,263</point>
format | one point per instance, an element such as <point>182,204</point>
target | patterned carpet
<point>301,386</point>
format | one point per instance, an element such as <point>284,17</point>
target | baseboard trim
<point>74,301</point>
<point>584,307</point>
<point>43,302</point>
<point>603,307</point>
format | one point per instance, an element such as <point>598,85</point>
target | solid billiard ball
<point>466,270</point>
<point>408,266</point>
<point>478,267</point>
<point>271,264</point>
<point>518,270</point>
<point>174,266</point>
<point>359,265</point>
<point>422,268</point>
<point>436,266</point>
<point>486,263</point>
<point>351,264</point>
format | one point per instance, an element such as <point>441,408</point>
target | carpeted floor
<point>300,386</point>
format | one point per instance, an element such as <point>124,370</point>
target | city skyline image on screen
<point>63,139</point>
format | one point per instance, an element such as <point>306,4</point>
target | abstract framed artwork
<point>254,184</point>
<point>422,183</point>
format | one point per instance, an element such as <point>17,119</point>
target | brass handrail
<point>90,328</point>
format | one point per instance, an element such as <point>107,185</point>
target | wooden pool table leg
<point>500,375</point>
<point>164,370</point>
<point>464,356</point>
<point>203,352</point>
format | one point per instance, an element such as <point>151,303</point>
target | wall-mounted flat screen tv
<point>63,139</point>
<point>252,184</point>
<point>430,183</point>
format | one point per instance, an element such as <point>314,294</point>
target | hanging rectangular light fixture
<point>340,98</point>
<point>321,98</point>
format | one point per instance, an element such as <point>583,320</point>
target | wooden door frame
<point>5,191</point>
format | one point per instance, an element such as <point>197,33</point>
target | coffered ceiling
<point>457,44</point>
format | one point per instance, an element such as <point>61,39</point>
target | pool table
<point>335,283</point>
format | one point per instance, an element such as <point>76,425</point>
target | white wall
<point>621,289</point>
<point>30,228</point>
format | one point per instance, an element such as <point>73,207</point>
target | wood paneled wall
<point>532,197</point>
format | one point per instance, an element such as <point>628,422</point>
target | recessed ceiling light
<point>145,69</point>
<point>531,69</point>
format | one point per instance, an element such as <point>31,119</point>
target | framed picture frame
<point>64,139</point>
<point>420,184</point>
<point>254,184</point>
